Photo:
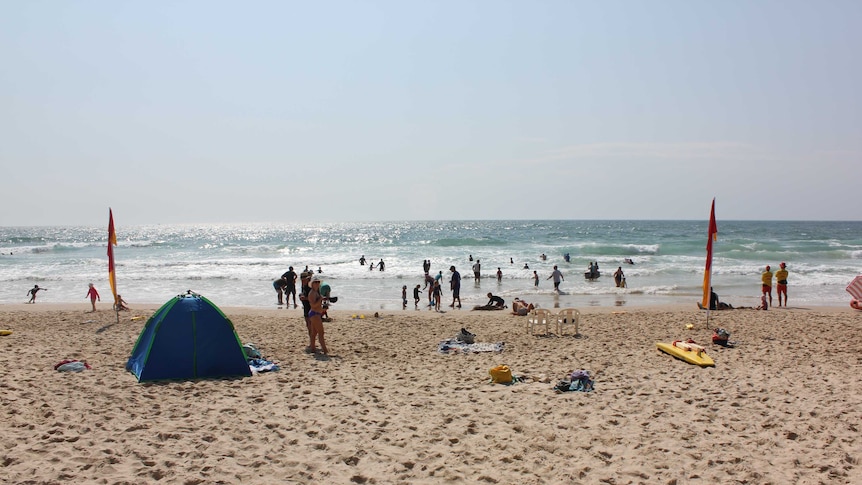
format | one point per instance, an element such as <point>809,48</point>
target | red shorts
<point>779,288</point>
<point>767,289</point>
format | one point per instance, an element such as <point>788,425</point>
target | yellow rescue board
<point>5,332</point>
<point>691,353</point>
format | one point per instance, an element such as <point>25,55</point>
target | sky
<point>283,111</point>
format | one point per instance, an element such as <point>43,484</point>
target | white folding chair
<point>568,316</point>
<point>539,316</point>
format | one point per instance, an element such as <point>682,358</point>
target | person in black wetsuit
<point>495,301</point>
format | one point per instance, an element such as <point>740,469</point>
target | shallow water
<point>234,264</point>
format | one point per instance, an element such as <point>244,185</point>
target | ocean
<point>235,264</point>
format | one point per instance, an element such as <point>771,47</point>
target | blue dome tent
<point>187,338</point>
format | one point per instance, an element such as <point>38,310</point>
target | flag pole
<point>707,273</point>
<point>112,274</point>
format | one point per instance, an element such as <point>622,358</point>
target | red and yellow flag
<point>707,275</point>
<point>112,241</point>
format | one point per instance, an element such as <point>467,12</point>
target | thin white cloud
<point>725,151</point>
<point>531,139</point>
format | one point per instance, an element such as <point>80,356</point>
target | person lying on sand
<point>521,307</point>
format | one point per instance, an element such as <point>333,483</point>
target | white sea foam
<point>235,264</point>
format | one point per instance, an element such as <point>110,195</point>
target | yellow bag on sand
<point>501,374</point>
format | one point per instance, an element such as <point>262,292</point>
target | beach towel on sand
<point>72,365</point>
<point>454,346</point>
<point>489,307</point>
<point>261,365</point>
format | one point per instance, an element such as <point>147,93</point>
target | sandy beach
<point>784,406</point>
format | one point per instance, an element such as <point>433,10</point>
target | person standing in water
<point>455,285</point>
<point>557,276</point>
<point>618,276</point>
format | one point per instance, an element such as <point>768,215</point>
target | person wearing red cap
<point>766,279</point>
<point>781,287</point>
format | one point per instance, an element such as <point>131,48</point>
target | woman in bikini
<point>315,317</point>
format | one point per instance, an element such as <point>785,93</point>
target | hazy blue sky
<point>207,111</point>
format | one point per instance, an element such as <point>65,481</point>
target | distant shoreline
<point>245,310</point>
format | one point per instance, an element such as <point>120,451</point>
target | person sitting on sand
<point>521,307</point>
<point>715,304</point>
<point>121,304</point>
<point>763,304</point>
<point>495,301</point>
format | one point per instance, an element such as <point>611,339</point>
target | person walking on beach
<point>290,287</point>
<point>781,280</point>
<point>416,296</point>
<point>93,295</point>
<point>558,276</point>
<point>315,317</point>
<point>535,279</point>
<point>32,293</point>
<point>499,275</point>
<point>404,297</point>
<point>766,287</point>
<point>455,285</point>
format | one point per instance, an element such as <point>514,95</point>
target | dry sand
<point>782,407</point>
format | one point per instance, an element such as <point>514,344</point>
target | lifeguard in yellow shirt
<point>781,287</point>
<point>766,279</point>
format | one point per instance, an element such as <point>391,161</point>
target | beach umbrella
<point>855,287</point>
